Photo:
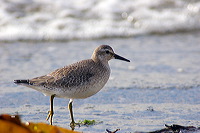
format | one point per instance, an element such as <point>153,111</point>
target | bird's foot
<point>73,124</point>
<point>50,115</point>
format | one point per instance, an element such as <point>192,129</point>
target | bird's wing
<point>68,76</point>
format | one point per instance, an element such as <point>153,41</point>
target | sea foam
<point>66,20</point>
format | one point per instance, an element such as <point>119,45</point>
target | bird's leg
<point>50,115</point>
<point>72,124</point>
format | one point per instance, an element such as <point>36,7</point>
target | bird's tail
<point>22,82</point>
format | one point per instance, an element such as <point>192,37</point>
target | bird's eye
<point>107,52</point>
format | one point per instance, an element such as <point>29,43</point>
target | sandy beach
<point>161,84</point>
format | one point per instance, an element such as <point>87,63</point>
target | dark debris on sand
<point>176,129</point>
<point>170,129</point>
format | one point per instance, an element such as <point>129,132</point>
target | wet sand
<point>160,86</point>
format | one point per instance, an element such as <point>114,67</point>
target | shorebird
<point>76,81</point>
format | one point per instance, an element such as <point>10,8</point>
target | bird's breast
<point>89,88</point>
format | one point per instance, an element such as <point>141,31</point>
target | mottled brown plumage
<point>73,81</point>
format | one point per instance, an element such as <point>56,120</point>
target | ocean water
<point>62,20</point>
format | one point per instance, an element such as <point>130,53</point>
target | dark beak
<point>120,58</point>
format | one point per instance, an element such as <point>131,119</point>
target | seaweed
<point>89,122</point>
